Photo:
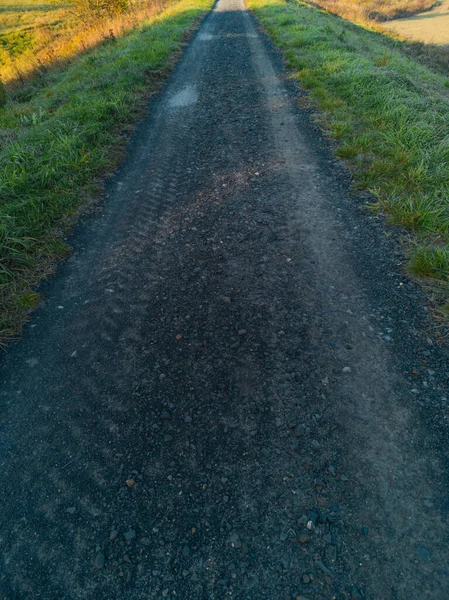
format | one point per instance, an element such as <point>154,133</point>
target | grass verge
<point>59,134</point>
<point>389,114</point>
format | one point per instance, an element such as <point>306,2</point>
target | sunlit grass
<point>34,36</point>
<point>389,113</point>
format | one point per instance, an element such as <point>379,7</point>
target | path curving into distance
<point>230,390</point>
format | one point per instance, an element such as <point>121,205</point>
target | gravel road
<point>230,389</point>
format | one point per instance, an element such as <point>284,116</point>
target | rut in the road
<point>216,399</point>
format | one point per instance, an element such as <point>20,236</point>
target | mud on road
<point>230,390</point>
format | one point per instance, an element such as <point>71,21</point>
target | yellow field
<point>34,35</point>
<point>27,28</point>
<point>374,10</point>
<point>431,27</point>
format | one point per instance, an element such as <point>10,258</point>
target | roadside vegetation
<point>389,114</point>
<point>60,133</point>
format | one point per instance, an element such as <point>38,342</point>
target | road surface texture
<point>230,391</point>
<point>431,27</point>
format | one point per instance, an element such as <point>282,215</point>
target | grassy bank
<point>389,114</point>
<point>58,133</point>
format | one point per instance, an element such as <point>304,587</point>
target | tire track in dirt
<point>178,422</point>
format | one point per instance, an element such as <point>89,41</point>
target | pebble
<point>100,560</point>
<point>186,551</point>
<point>306,579</point>
<point>323,568</point>
<point>286,562</point>
<point>346,370</point>
<point>130,535</point>
<point>241,332</point>
<point>283,536</point>
<point>365,530</point>
<point>303,538</point>
<point>113,535</point>
<point>225,299</point>
<point>71,510</point>
<point>313,516</point>
<point>331,553</point>
<point>423,553</point>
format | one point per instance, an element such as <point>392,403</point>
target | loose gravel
<point>230,389</point>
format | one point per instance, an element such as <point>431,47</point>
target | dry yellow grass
<point>35,36</point>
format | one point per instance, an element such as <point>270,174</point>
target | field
<point>375,10</point>
<point>429,27</point>
<point>26,28</point>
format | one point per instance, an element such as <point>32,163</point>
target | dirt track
<point>230,390</point>
<point>431,27</point>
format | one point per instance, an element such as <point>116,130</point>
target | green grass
<point>59,133</point>
<point>389,113</point>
